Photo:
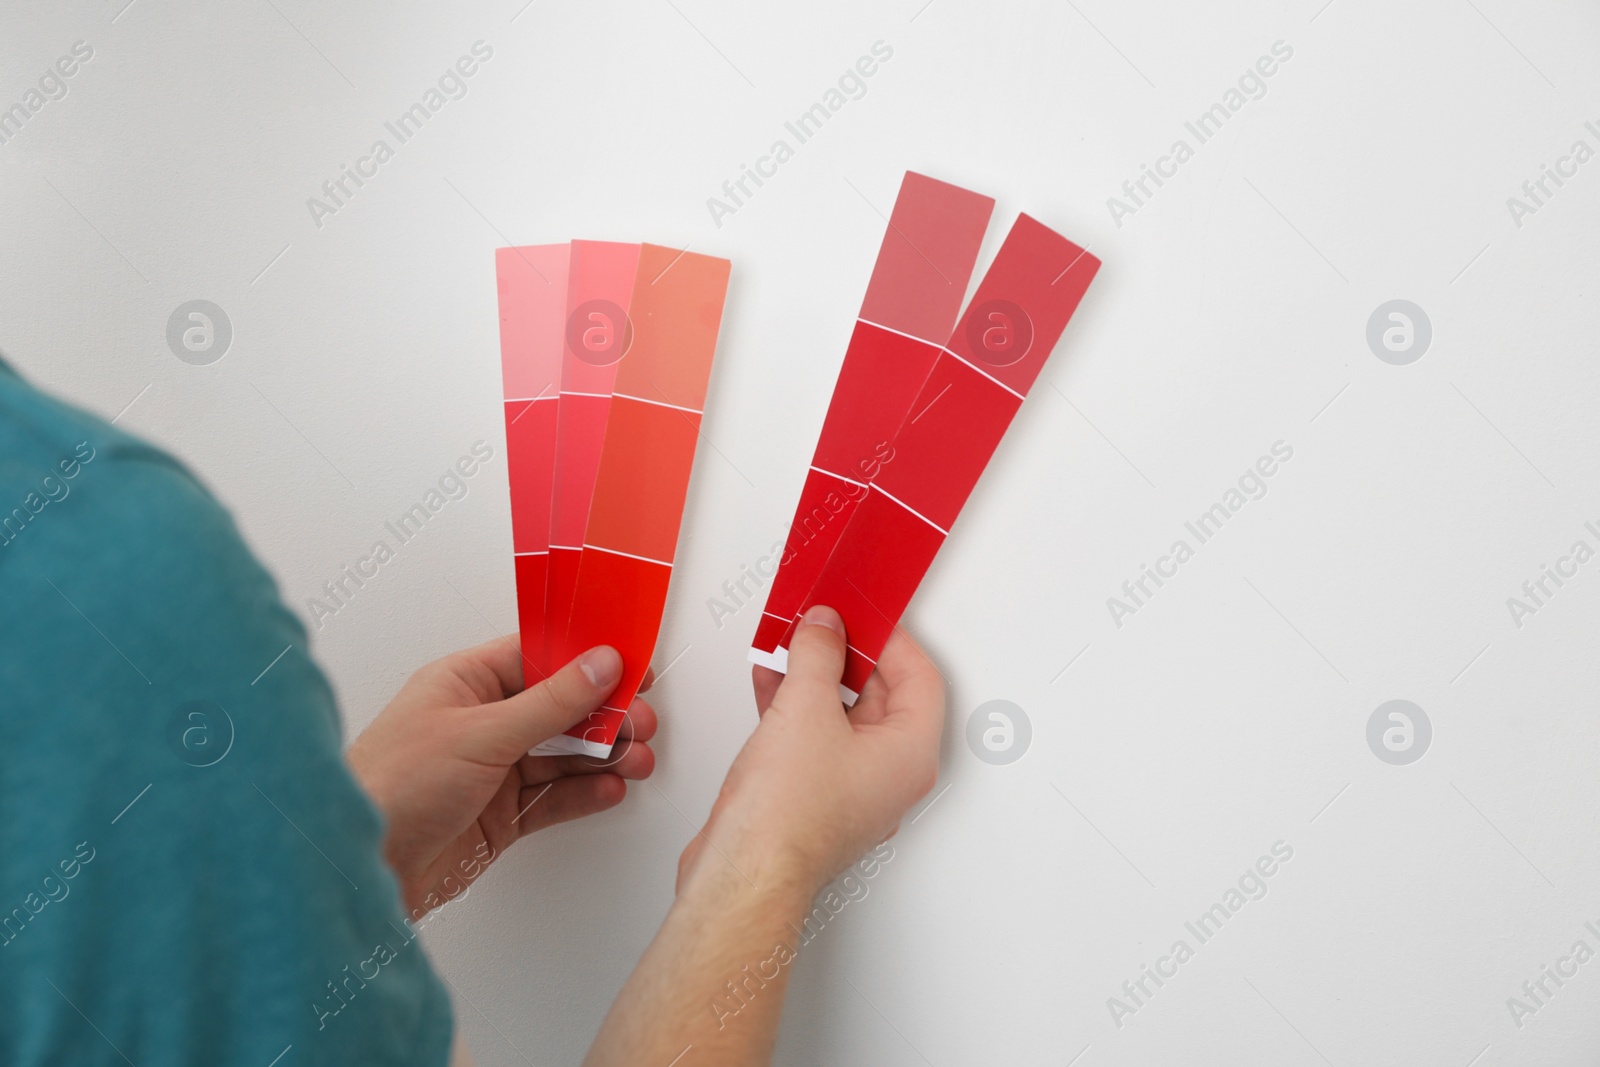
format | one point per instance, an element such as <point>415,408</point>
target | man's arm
<point>713,979</point>
<point>813,788</point>
<point>216,892</point>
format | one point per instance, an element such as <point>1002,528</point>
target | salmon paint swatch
<point>912,300</point>
<point>955,423</point>
<point>595,337</point>
<point>642,478</point>
<point>532,287</point>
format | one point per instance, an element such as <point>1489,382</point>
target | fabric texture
<point>188,872</point>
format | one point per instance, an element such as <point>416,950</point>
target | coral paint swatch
<point>643,476</point>
<point>913,297</point>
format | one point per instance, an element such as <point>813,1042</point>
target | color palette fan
<point>606,353</point>
<point>922,401</point>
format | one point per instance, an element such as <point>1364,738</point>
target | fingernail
<point>602,666</point>
<point>824,616</point>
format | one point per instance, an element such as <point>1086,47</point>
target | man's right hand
<point>815,785</point>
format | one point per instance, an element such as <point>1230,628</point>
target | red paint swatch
<point>595,336</point>
<point>921,275</point>
<point>643,477</point>
<point>532,286</point>
<point>953,427</point>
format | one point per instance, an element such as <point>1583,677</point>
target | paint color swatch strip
<point>594,339</point>
<point>643,476</point>
<point>532,287</point>
<point>924,264</point>
<point>956,422</point>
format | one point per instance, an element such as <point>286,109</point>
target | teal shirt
<point>188,872</point>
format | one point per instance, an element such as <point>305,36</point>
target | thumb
<point>512,726</point>
<point>816,657</point>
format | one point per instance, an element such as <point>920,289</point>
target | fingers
<point>638,727</point>
<point>503,657</point>
<point>816,657</point>
<point>872,705</point>
<point>640,723</point>
<point>566,799</point>
<point>914,687</point>
<point>906,668</point>
<point>509,728</point>
<point>632,759</point>
<point>765,681</point>
<point>649,679</point>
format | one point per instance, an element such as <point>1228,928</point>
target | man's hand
<point>816,786</point>
<point>813,788</point>
<point>447,762</point>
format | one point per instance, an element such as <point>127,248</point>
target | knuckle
<point>544,699</point>
<point>429,672</point>
<point>563,687</point>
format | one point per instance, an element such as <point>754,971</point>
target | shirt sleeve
<point>188,872</point>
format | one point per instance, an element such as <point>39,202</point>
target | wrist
<point>365,769</point>
<point>726,879</point>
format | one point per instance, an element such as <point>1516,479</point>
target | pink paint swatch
<point>532,285</point>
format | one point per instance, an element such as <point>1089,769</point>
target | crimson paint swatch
<point>954,425</point>
<point>913,297</point>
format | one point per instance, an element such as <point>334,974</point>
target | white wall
<point>1231,314</point>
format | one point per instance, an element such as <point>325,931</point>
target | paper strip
<point>955,424</point>
<point>643,476</point>
<point>532,286</point>
<point>595,337</point>
<point>912,300</point>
